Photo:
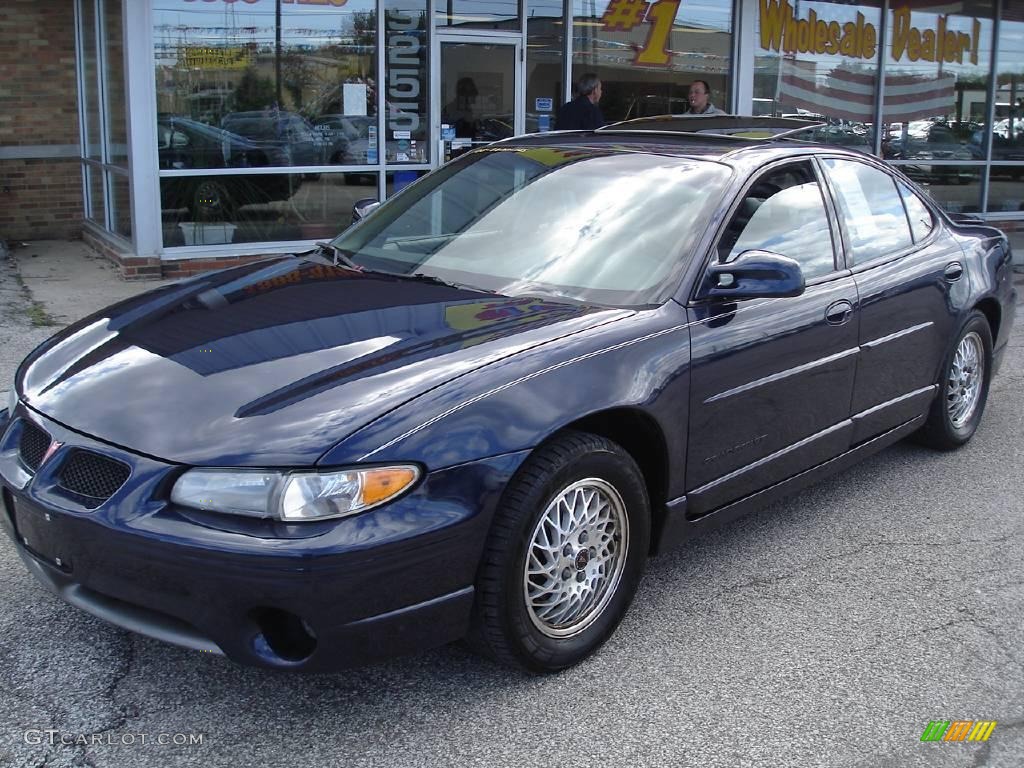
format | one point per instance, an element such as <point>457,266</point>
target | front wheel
<point>963,389</point>
<point>565,555</point>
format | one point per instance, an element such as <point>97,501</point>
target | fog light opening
<point>287,635</point>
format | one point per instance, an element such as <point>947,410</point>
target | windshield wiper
<point>339,255</point>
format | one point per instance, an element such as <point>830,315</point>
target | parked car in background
<point>288,135</point>
<point>1010,129</point>
<point>349,139</point>
<point>347,135</point>
<point>498,393</point>
<point>924,141</point>
<point>185,144</point>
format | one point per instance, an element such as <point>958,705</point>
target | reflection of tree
<point>298,75</point>
<point>253,92</point>
<point>364,27</point>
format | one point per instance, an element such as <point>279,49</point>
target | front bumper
<point>335,594</point>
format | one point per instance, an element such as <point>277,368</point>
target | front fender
<point>639,362</point>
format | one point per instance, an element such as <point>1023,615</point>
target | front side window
<point>590,225</point>
<point>783,212</point>
<point>876,223</point>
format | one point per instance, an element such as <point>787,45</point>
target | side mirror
<point>363,208</point>
<point>754,275</point>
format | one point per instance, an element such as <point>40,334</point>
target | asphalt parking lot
<point>827,630</point>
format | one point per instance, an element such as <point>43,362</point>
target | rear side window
<point>872,209</point>
<point>921,221</point>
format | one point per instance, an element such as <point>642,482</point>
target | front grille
<point>91,477</point>
<point>33,445</point>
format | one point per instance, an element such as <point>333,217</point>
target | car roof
<point>732,150</point>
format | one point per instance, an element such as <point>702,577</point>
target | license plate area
<point>39,533</point>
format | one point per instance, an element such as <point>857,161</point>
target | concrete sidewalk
<point>70,280</point>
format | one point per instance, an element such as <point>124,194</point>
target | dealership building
<point>181,135</point>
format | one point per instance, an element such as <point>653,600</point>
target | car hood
<point>272,363</point>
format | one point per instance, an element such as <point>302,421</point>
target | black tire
<point>945,428</point>
<point>583,466</point>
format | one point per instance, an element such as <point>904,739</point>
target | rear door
<point>906,267</point>
<point>771,379</point>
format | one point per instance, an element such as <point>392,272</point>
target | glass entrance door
<point>480,99</point>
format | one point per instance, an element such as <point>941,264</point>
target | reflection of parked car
<point>1004,129</point>
<point>349,138</point>
<point>843,136</point>
<point>185,144</point>
<point>524,374</point>
<point>286,134</point>
<point>926,140</point>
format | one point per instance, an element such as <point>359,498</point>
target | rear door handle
<point>838,312</point>
<point>953,272</point>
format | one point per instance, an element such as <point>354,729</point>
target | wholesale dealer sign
<point>783,31</point>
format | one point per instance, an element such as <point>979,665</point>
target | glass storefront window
<point>478,93</point>
<point>647,54</point>
<point>103,106</point>
<point>90,93</point>
<point>113,80</point>
<point>1008,128</point>
<point>300,91</point>
<point>477,14</point>
<point>1006,189</point>
<point>818,60</point>
<point>247,208</point>
<point>936,86</point>
<point>956,188</point>
<point>94,181</point>
<point>120,203</point>
<point>545,52</point>
<point>406,121</point>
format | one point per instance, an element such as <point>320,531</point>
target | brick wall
<point>39,197</point>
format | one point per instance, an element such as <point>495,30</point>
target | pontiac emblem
<point>50,451</point>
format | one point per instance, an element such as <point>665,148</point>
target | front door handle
<point>838,312</point>
<point>953,272</point>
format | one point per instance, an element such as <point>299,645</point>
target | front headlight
<point>292,496</point>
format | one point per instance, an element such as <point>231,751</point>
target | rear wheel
<point>963,389</point>
<point>564,557</point>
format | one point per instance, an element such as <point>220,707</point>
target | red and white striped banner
<point>849,94</point>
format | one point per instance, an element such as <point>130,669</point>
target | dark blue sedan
<point>476,412</point>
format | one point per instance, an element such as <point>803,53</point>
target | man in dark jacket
<point>582,113</point>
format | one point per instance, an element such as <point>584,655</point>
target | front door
<point>480,92</point>
<point>771,379</point>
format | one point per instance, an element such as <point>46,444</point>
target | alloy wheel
<point>575,558</point>
<point>966,373</point>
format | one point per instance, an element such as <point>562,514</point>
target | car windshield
<point>591,224</point>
